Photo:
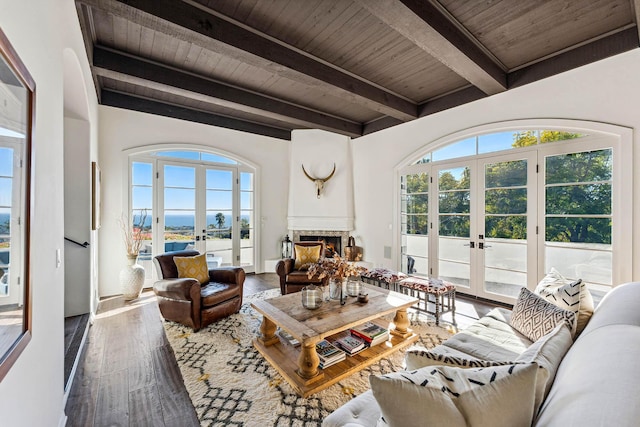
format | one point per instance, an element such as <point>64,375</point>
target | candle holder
<point>311,297</point>
<point>353,287</point>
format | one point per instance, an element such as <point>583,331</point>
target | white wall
<point>318,151</point>
<point>607,91</point>
<point>77,213</point>
<point>32,392</point>
<point>121,130</point>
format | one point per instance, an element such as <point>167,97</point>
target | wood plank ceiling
<point>347,66</point>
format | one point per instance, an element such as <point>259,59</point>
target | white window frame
<point>146,154</point>
<point>619,138</point>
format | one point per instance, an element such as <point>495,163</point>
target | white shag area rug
<point>231,384</point>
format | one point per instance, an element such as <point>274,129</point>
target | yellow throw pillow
<point>306,255</point>
<point>193,267</point>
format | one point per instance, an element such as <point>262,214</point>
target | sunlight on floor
<point>115,305</point>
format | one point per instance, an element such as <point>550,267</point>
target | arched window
<point>494,211</point>
<point>193,199</point>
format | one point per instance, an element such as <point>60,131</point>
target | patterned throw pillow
<point>306,255</point>
<point>432,357</point>
<point>568,294</point>
<point>443,395</point>
<point>534,317</point>
<point>193,267</point>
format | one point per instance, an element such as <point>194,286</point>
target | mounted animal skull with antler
<point>319,182</point>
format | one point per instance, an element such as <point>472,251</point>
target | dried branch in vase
<point>133,234</point>
<point>334,268</point>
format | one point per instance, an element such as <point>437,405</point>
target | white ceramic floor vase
<point>132,278</point>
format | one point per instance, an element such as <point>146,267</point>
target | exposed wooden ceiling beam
<point>87,27</point>
<point>380,124</point>
<point>129,102</point>
<point>119,66</point>
<point>217,34</point>
<point>614,44</point>
<point>454,99</point>
<point>428,28</point>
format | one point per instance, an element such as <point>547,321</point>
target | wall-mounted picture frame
<point>96,176</point>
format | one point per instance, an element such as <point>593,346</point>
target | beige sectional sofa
<point>594,383</point>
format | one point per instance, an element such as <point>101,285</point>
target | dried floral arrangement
<point>133,235</point>
<point>335,268</point>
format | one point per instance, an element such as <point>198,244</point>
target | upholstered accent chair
<point>192,303</point>
<point>293,279</point>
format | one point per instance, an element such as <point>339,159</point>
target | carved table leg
<point>402,323</point>
<point>308,361</point>
<point>268,332</point>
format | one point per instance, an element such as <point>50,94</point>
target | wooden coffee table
<point>299,365</point>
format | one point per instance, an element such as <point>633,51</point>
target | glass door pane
<point>247,219</point>
<point>502,239</point>
<point>9,225</point>
<point>219,217</point>
<point>208,208</point>
<point>414,213</point>
<point>578,217</point>
<point>454,225</point>
<point>179,207</point>
<point>142,213</point>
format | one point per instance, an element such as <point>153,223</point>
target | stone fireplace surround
<point>320,234</point>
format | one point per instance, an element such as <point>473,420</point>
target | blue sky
<point>6,174</point>
<point>180,183</point>
<point>467,147</point>
<point>486,144</point>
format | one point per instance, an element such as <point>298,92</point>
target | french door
<point>506,227</point>
<point>472,222</point>
<point>10,224</point>
<point>206,208</point>
<point>494,222</point>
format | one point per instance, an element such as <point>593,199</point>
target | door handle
<point>483,246</point>
<point>472,245</point>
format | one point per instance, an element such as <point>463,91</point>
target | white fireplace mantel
<point>321,223</point>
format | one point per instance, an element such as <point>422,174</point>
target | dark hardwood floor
<point>127,374</point>
<point>74,328</point>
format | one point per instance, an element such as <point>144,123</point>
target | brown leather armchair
<point>188,302</point>
<point>292,280</point>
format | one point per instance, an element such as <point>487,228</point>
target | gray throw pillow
<point>534,317</point>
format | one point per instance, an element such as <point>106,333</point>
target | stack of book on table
<point>371,333</point>
<point>287,338</point>
<point>350,344</point>
<point>329,354</point>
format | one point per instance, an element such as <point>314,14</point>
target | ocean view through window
<point>194,200</point>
